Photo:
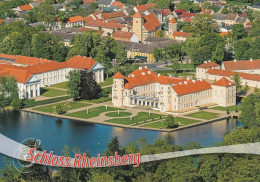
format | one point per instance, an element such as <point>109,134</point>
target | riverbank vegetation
<point>204,115</point>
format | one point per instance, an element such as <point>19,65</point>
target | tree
<point>246,88</point>
<point>60,109</point>
<point>237,81</point>
<point>175,66</point>
<point>201,54</point>
<point>17,103</point>
<point>8,87</point>
<point>157,53</point>
<point>219,53</point>
<point>256,90</point>
<point>250,110</point>
<point>74,77</point>
<point>169,121</point>
<point>89,89</point>
<point>113,147</point>
<point>238,31</point>
<point>160,33</point>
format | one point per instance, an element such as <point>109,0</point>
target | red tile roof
<point>177,11</point>
<point>30,60</point>
<point>181,34</point>
<point>224,82</point>
<point>223,34</point>
<point>1,21</point>
<point>208,65</point>
<point>80,62</point>
<point>21,76</point>
<point>166,12</point>
<point>113,15</point>
<point>187,20</point>
<point>7,56</point>
<point>151,22</point>
<point>138,15</point>
<point>145,7</point>
<point>122,35</point>
<point>102,24</point>
<point>227,73</point>
<point>88,19</point>
<point>88,1</point>
<point>172,21</point>
<point>75,19</point>
<point>191,87</point>
<point>146,76</point>
<point>25,7</point>
<point>243,15</point>
<point>118,4</point>
<point>242,65</point>
<point>118,75</point>
<point>187,15</point>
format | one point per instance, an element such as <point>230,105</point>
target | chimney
<point>170,75</point>
<point>149,72</point>
<point>180,83</point>
<point>185,82</point>
<point>145,66</point>
<point>193,81</point>
<point>133,75</point>
<point>235,60</point>
<point>205,61</point>
<point>209,61</point>
<point>251,59</point>
<point>188,78</point>
<point>143,73</point>
<point>158,74</point>
<point>140,68</point>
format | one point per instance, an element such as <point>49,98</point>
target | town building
<point>75,21</point>
<point>144,87</point>
<point>105,3</point>
<point>125,36</point>
<point>145,26</point>
<point>32,73</point>
<point>247,70</point>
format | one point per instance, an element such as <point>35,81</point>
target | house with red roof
<point>202,69</point>
<point>28,84</point>
<point>180,36</point>
<point>145,26</point>
<point>75,21</point>
<point>33,73</point>
<point>143,87</point>
<point>104,26</point>
<point>145,7</point>
<point>125,36</point>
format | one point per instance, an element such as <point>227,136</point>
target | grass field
<point>61,85</point>
<point>94,112</point>
<point>178,120</point>
<point>230,108</point>
<point>108,81</point>
<point>121,114</point>
<point>68,106</point>
<point>50,92</point>
<point>204,115</point>
<point>100,100</point>
<point>141,116</point>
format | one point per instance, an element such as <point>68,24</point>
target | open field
<point>94,112</point>
<point>50,92</point>
<point>204,115</point>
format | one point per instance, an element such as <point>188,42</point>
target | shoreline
<point>128,126</point>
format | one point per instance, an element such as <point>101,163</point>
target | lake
<point>54,133</point>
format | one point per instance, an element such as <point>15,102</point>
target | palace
<point>170,94</point>
<point>32,73</point>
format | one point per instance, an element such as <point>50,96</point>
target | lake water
<point>55,133</point>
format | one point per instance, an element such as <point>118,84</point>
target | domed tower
<point>138,22</point>
<point>172,26</point>
<point>118,89</point>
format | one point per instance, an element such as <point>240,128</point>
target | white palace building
<point>170,94</point>
<point>32,73</point>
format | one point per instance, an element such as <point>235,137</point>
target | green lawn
<point>108,81</point>
<point>94,112</point>
<point>121,114</point>
<point>100,100</point>
<point>182,121</point>
<point>50,92</point>
<point>230,108</point>
<point>61,85</point>
<point>68,106</point>
<point>141,116</point>
<point>204,115</point>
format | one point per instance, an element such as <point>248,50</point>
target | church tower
<point>138,22</point>
<point>172,26</point>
